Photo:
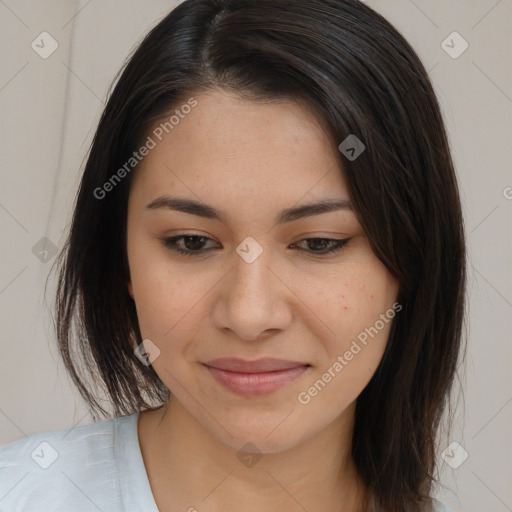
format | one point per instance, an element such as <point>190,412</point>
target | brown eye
<point>194,245</point>
<point>324,245</point>
<point>189,245</point>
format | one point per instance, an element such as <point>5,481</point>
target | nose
<point>252,301</point>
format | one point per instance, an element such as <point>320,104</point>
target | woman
<point>264,275</point>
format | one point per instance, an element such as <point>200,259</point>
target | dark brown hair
<point>360,76</point>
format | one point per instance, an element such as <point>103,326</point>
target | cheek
<point>164,297</point>
<point>359,304</point>
<point>360,312</point>
<point>167,316</point>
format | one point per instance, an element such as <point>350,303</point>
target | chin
<point>271,436</point>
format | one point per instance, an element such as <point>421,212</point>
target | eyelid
<point>337,245</point>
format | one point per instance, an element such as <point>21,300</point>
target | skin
<point>252,160</point>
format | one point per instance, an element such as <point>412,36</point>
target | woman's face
<point>252,286</point>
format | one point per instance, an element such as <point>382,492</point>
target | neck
<point>189,469</point>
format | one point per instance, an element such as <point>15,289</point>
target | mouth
<point>255,378</point>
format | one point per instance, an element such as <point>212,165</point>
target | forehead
<point>227,146</point>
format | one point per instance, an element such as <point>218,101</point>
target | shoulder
<point>49,470</point>
<point>440,507</point>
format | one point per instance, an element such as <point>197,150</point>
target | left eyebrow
<point>204,210</point>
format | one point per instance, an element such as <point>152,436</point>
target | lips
<point>263,365</point>
<point>254,378</point>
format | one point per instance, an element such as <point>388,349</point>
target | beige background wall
<point>49,109</point>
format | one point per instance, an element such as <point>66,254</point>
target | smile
<point>255,378</point>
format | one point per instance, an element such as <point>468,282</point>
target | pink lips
<point>254,378</point>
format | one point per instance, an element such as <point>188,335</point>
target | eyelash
<point>336,245</point>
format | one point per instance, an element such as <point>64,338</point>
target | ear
<point>130,289</point>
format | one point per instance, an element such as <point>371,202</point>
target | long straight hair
<point>359,76</point>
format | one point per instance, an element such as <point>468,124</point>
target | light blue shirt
<point>88,468</point>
